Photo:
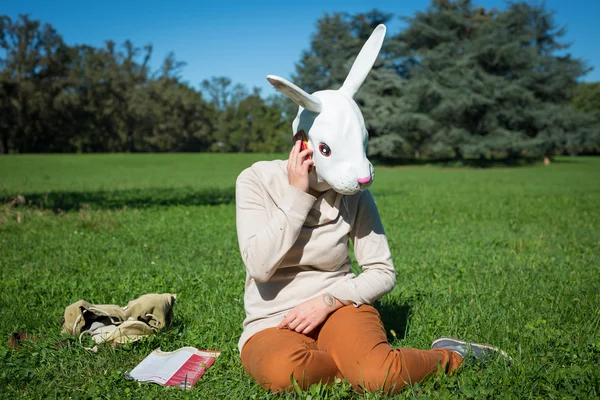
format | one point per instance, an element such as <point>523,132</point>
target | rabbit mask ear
<point>364,61</point>
<point>297,95</point>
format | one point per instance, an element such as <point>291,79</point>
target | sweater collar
<point>325,209</point>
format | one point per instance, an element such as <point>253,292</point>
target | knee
<point>276,371</point>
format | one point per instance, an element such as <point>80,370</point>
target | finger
<point>285,322</point>
<point>301,327</point>
<point>297,157</point>
<point>307,164</point>
<point>295,148</point>
<point>303,156</point>
<point>308,329</point>
<point>294,324</point>
<point>305,153</point>
<point>294,154</point>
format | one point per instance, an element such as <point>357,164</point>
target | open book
<point>182,367</point>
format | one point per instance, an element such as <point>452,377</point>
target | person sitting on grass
<point>308,316</point>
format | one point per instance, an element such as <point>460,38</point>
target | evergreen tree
<point>459,82</point>
<point>326,64</point>
<point>488,84</point>
<point>586,100</point>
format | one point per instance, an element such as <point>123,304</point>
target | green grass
<point>83,172</point>
<point>505,256</point>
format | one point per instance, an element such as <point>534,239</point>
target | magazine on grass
<point>182,367</point>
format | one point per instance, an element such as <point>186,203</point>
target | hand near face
<point>299,167</point>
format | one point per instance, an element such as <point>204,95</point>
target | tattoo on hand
<point>329,300</point>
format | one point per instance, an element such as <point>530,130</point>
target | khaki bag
<point>110,323</point>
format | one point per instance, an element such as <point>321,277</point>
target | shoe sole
<point>483,346</point>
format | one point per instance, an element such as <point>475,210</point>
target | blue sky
<point>246,40</point>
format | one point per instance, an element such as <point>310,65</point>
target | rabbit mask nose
<point>364,181</point>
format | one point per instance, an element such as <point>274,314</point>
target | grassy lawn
<point>509,256</point>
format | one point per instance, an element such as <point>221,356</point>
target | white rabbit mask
<point>334,125</point>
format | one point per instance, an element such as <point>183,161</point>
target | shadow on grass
<point>133,198</point>
<point>394,318</point>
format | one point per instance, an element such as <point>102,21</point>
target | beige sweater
<point>295,247</point>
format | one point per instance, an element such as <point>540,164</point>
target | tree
<point>326,64</point>
<point>260,126</point>
<point>491,83</point>
<point>128,75</point>
<point>33,75</point>
<point>243,122</point>
<point>93,109</point>
<point>225,100</point>
<point>59,98</point>
<point>178,113</point>
<point>587,99</point>
<point>459,82</point>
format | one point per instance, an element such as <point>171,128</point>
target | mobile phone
<point>300,135</point>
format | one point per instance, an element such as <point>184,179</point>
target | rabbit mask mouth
<point>333,118</point>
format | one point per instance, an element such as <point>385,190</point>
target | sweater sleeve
<point>373,255</point>
<point>265,239</point>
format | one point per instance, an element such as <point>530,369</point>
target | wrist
<point>297,202</point>
<point>331,303</point>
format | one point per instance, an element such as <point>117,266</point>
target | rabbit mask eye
<point>324,149</point>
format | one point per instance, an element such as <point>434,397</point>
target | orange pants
<point>351,344</point>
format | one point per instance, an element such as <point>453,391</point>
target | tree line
<point>459,82</point>
<point>60,98</point>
